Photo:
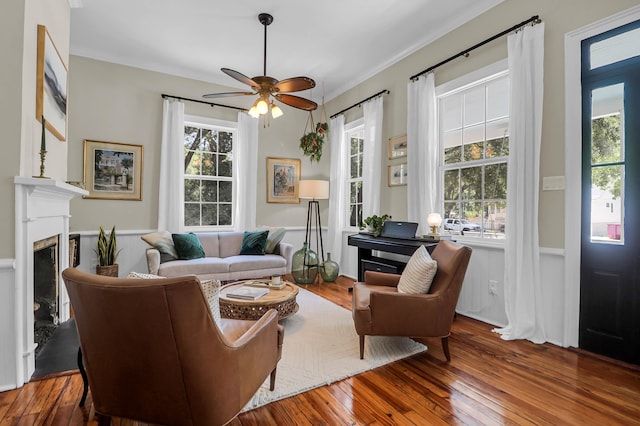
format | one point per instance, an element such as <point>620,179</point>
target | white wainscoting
<point>8,366</point>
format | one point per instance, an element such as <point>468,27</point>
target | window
<point>474,141</point>
<point>208,173</point>
<point>355,139</point>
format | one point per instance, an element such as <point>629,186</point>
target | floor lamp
<point>314,190</point>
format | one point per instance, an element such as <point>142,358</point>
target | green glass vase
<point>304,265</point>
<point>329,270</point>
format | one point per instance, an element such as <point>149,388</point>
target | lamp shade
<point>316,189</point>
<point>434,219</point>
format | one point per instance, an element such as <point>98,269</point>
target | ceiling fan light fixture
<point>276,111</point>
<point>253,112</point>
<point>262,106</point>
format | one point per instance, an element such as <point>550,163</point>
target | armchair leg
<point>272,380</point>
<point>362,346</point>
<point>445,348</point>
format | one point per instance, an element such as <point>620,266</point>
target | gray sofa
<point>223,261</point>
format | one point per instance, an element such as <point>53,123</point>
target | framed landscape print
<point>51,86</point>
<point>397,147</point>
<point>113,171</point>
<point>398,174</point>
<point>283,177</point>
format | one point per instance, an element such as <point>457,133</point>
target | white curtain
<point>523,301</point>
<point>372,157</point>
<point>171,195</point>
<point>422,152</point>
<point>337,187</point>
<point>245,170</point>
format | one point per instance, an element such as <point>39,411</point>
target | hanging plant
<point>311,142</point>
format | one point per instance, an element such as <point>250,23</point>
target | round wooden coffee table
<point>284,301</point>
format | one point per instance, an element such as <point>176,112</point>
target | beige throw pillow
<point>418,274</point>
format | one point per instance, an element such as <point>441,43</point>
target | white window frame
<point>481,76</point>
<point>349,129</point>
<point>220,126</point>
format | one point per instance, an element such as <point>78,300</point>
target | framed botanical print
<point>113,171</point>
<point>283,178</point>
<point>397,147</point>
<point>398,174</point>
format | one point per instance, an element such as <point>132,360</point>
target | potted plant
<point>374,224</point>
<point>311,142</point>
<point>107,252</point>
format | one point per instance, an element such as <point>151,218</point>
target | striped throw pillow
<point>418,274</point>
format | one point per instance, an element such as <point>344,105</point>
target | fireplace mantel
<point>42,211</point>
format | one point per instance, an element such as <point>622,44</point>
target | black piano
<point>366,243</point>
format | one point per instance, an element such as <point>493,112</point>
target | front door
<point>610,263</point>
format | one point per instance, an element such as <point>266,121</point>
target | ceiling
<point>338,43</point>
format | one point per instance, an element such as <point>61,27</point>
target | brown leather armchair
<point>380,310</point>
<point>153,352</point>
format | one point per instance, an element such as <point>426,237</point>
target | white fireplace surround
<point>42,211</point>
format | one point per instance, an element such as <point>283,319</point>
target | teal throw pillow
<point>188,246</point>
<point>254,242</point>
<point>273,239</point>
<point>167,251</point>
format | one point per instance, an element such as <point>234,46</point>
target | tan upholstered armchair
<point>380,310</point>
<point>153,352</point>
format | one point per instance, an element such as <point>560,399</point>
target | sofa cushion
<point>273,240</point>
<point>255,262</point>
<point>202,266</point>
<point>418,274</point>
<point>188,246</point>
<point>163,242</point>
<point>210,243</point>
<point>230,243</point>
<point>254,242</point>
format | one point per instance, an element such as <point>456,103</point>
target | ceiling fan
<point>266,87</point>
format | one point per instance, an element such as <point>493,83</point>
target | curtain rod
<point>382,92</point>
<point>212,104</point>
<point>535,19</point>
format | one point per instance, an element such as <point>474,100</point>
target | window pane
<point>494,219</point>
<point>451,112</point>
<point>471,218</point>
<point>225,142</point>
<point>208,164</point>
<point>353,194</point>
<point>193,160</point>
<point>614,49</point>
<point>209,214</point>
<point>607,105</point>
<point>354,167</point>
<point>206,141</point>
<point>498,99</point>
<point>607,195</point>
<point>225,165</point>
<point>497,138</point>
<point>474,106</point>
<point>354,146</point>
<point>209,191</point>
<point>451,210</point>
<point>452,155</point>
<point>191,214</point>
<point>225,211</point>
<point>191,135</point>
<point>471,179</point>
<point>191,190</point>
<point>226,191</point>
<point>495,181</point>
<point>451,184</point>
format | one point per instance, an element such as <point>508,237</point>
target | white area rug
<point>321,347</point>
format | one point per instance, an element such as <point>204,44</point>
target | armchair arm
<point>286,251</point>
<point>381,278</point>
<point>153,260</point>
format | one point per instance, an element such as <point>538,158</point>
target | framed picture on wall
<point>51,85</point>
<point>397,147</point>
<point>283,178</point>
<point>398,174</point>
<point>113,171</point>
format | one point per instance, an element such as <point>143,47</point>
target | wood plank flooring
<point>488,382</point>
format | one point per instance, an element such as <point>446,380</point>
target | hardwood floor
<point>488,382</point>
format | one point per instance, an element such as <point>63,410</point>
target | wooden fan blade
<point>240,77</point>
<point>222,95</point>
<point>297,102</point>
<point>294,84</point>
